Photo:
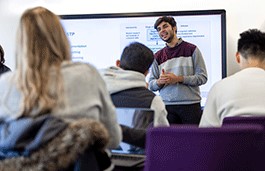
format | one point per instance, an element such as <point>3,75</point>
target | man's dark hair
<point>252,44</point>
<point>167,19</point>
<point>2,54</point>
<point>136,57</point>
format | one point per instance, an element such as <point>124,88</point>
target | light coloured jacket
<point>85,94</point>
<point>118,80</point>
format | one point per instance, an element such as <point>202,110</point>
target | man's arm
<point>133,136</point>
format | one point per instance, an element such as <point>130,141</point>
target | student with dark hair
<point>3,67</point>
<point>126,82</point>
<point>243,93</point>
<point>177,72</point>
<point>128,88</point>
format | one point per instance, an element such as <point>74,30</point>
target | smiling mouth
<point>164,35</point>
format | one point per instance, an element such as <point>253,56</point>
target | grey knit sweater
<point>85,94</point>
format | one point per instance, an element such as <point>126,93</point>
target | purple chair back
<point>244,120</point>
<point>253,119</point>
<point>189,148</point>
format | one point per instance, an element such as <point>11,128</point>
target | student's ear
<point>118,62</point>
<point>238,57</point>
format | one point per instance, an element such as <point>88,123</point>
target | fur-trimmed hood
<point>62,150</point>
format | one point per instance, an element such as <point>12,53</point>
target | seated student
<point>3,67</point>
<point>242,93</point>
<point>128,88</point>
<point>126,82</point>
<point>47,81</point>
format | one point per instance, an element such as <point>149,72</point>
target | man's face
<point>166,31</point>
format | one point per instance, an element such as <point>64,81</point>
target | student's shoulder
<point>78,71</point>
<point>7,80</point>
<point>77,66</point>
<point>7,76</point>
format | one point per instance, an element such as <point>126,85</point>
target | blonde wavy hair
<point>42,46</point>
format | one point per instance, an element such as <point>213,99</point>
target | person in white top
<point>243,93</point>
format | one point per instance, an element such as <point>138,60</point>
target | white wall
<point>240,16</point>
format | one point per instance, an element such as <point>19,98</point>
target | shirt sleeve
<point>200,72</point>
<point>160,112</point>
<point>210,117</point>
<point>154,75</point>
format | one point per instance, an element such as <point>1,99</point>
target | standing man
<point>177,72</point>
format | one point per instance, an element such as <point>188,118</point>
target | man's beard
<point>169,39</point>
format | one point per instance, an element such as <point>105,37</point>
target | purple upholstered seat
<point>189,148</point>
<point>244,120</point>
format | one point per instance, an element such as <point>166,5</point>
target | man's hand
<point>161,81</point>
<point>168,78</point>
